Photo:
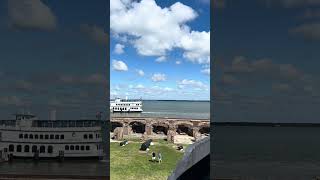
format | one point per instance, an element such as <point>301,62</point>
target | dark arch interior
<point>183,129</point>
<point>158,129</point>
<point>205,130</point>
<point>114,125</point>
<point>137,127</point>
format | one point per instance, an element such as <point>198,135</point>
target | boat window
<point>51,136</point>
<point>71,147</point>
<point>30,136</point>
<point>26,136</point>
<point>46,136</point>
<point>41,136</point>
<point>20,136</point>
<point>85,136</point>
<point>19,148</point>
<point>56,136</point>
<point>26,148</point>
<point>61,136</point>
<point>82,148</point>
<point>50,149</point>
<point>77,147</point>
<point>66,147</point>
<point>42,149</point>
<point>34,148</point>
<point>11,148</point>
<point>36,136</point>
<point>87,148</point>
<point>90,136</point>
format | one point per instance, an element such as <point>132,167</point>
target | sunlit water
<point>52,167</point>
<point>172,109</point>
<point>266,152</point>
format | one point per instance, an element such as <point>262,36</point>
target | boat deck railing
<point>57,123</point>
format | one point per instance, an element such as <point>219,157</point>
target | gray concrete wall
<point>193,154</point>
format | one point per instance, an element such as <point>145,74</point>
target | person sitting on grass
<point>159,157</point>
<point>153,156</point>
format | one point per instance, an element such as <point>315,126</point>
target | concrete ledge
<point>193,154</point>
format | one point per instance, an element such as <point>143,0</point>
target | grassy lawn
<point>129,163</point>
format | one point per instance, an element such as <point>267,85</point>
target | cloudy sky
<point>160,49</point>
<point>53,56</point>
<point>266,55</point>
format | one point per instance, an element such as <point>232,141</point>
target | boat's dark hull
<point>58,158</point>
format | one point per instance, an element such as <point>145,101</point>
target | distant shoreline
<point>173,100</point>
<point>265,124</point>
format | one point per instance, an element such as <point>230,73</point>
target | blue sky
<point>267,60</point>
<point>160,49</point>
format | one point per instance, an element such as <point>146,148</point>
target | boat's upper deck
<point>55,123</point>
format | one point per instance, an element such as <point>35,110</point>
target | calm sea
<point>52,167</point>
<point>284,153</point>
<point>172,109</point>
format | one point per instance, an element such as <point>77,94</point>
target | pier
<point>170,127</point>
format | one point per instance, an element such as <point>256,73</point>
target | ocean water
<point>284,153</point>
<point>171,109</point>
<point>52,167</point>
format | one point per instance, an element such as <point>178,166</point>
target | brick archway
<point>137,127</point>
<point>115,125</point>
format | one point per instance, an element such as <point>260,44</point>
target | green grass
<point>128,163</point>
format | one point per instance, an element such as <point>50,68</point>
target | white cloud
<point>156,30</point>
<point>158,77</point>
<point>119,66</point>
<point>206,71</point>
<point>118,49</point>
<point>161,59</point>
<point>297,3</point>
<point>178,62</point>
<point>217,3</point>
<point>192,83</point>
<point>11,100</point>
<point>197,47</point>
<point>140,72</point>
<point>31,14</point>
<point>139,86</point>
<point>308,31</point>
<point>95,33</point>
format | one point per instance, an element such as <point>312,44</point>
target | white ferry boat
<point>28,137</point>
<point>125,105</point>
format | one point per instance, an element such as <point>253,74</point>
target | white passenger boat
<point>125,105</point>
<point>28,137</point>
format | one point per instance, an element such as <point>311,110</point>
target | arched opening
<point>34,149</point>
<point>26,148</point>
<point>137,127</point>
<point>42,149</point>
<point>160,129</point>
<point>183,129</point>
<point>50,149</point>
<point>114,125</point>
<point>19,148</point>
<point>11,148</point>
<point>205,130</point>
